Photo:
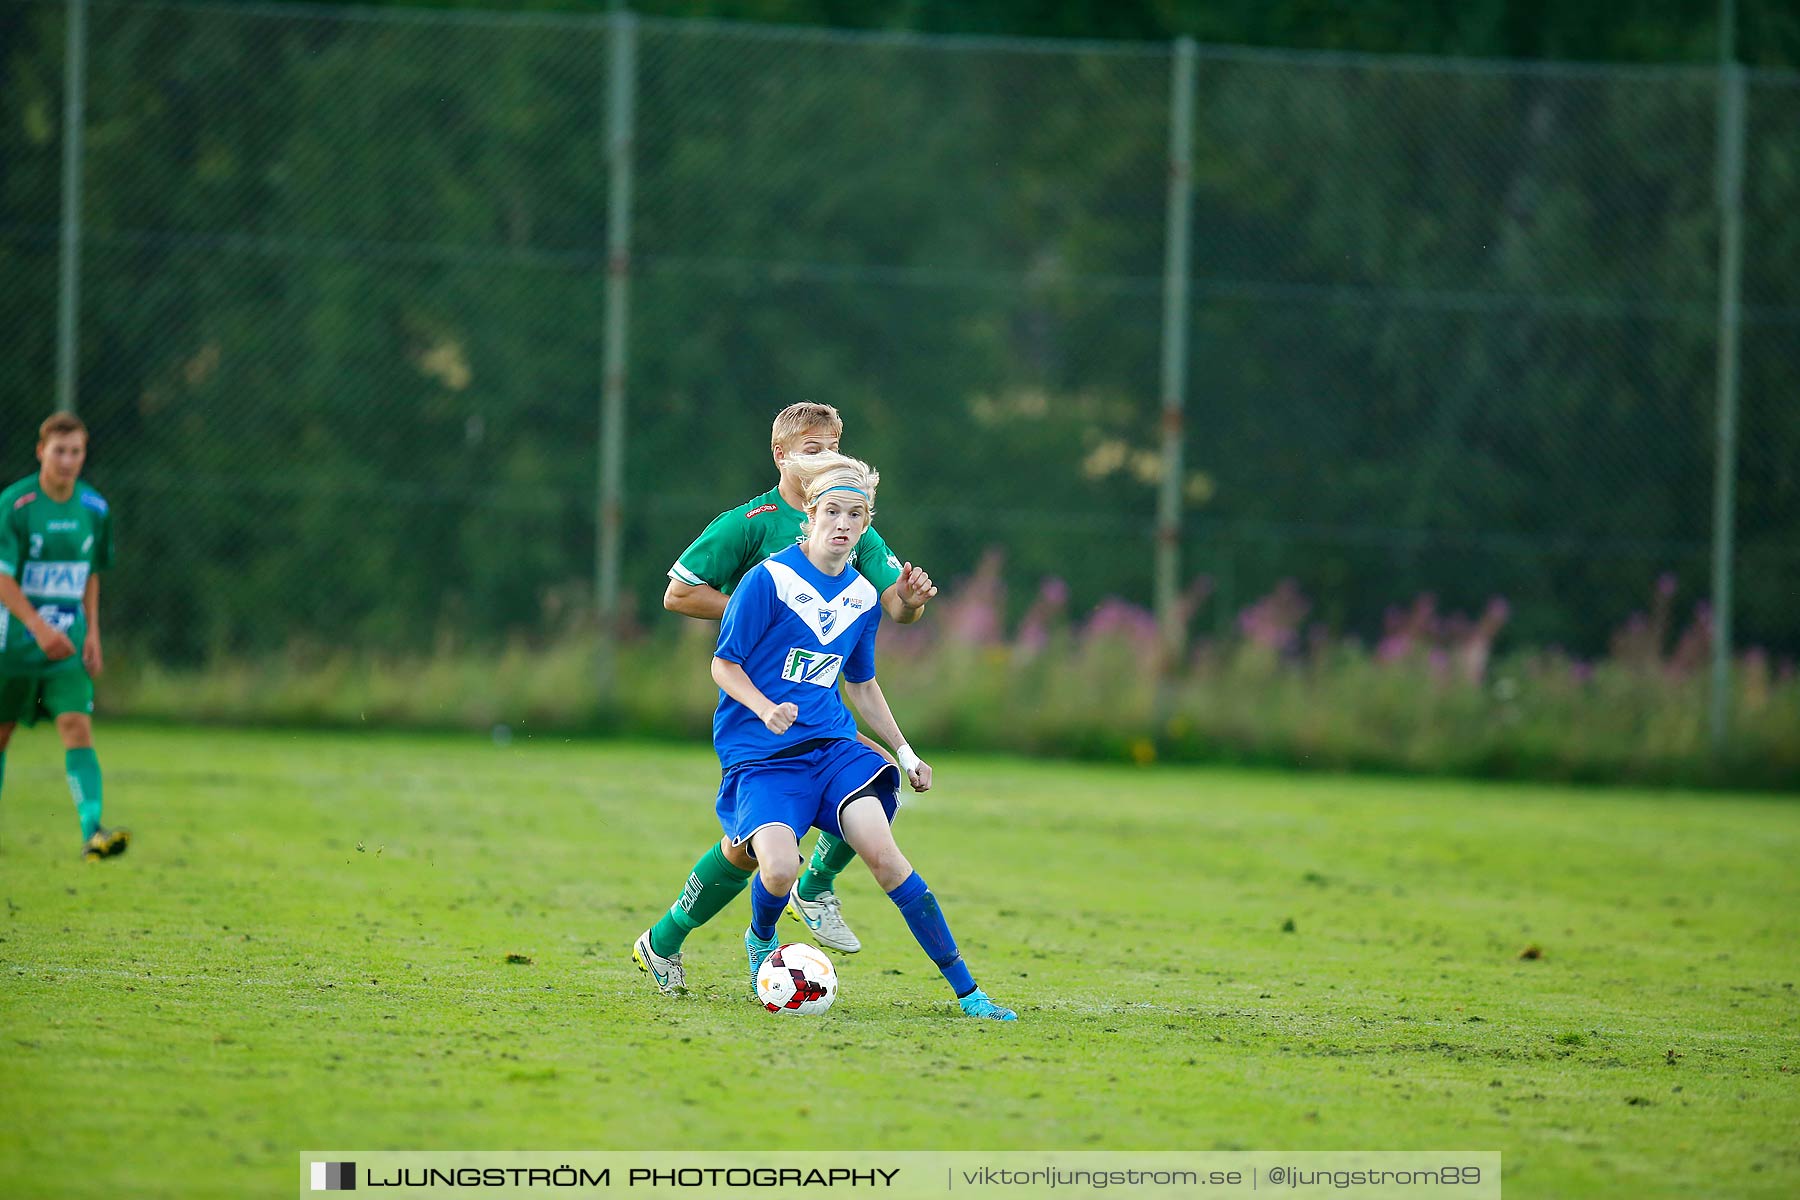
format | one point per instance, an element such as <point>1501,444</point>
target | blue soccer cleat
<point>977,1004</point>
<point>758,950</point>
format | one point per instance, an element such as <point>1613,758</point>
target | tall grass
<point>1432,695</point>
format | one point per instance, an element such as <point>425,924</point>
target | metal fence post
<point>1175,345</point>
<point>68,303</point>
<point>1730,167</point>
<point>621,95</point>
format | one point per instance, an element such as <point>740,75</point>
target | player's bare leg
<point>814,901</point>
<point>778,865</point>
<point>866,827</point>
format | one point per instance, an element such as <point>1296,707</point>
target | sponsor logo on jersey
<point>757,512</point>
<point>62,526</point>
<point>58,618</point>
<point>55,580</point>
<point>812,666</point>
<point>93,501</point>
<point>803,598</point>
<point>893,562</point>
<point>853,603</point>
<point>27,498</point>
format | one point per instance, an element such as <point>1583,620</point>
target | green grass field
<point>307,947</point>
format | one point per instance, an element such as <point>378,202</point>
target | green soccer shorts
<point>61,689</point>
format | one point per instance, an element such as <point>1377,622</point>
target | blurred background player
<point>55,538</point>
<point>787,742</point>
<point>700,582</point>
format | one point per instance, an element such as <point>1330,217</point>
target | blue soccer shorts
<point>804,790</point>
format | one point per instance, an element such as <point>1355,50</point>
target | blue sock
<point>765,908</point>
<point>926,920</point>
<point>2,768</point>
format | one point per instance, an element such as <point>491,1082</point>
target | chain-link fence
<point>1453,326</point>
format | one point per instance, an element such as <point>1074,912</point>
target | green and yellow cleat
<point>106,843</point>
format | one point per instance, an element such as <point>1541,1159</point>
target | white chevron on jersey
<point>828,619</point>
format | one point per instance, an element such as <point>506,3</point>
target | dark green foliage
<point>343,292</point>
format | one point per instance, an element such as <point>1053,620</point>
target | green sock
<point>830,855</point>
<point>83,766</point>
<point>710,887</point>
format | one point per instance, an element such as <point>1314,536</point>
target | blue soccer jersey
<point>795,631</point>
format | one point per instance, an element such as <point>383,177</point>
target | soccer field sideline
<point>316,992</point>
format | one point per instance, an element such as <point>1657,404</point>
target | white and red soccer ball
<point>797,980</point>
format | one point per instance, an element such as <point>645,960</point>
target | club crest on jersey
<point>812,666</point>
<point>829,618</point>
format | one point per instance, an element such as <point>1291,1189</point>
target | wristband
<point>909,762</point>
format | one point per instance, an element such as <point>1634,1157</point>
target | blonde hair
<point>798,419</point>
<point>816,474</point>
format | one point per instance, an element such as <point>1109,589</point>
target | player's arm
<point>13,596</point>
<point>90,596</point>
<point>53,642</point>
<point>701,600</point>
<point>735,682</point>
<point>905,599</point>
<point>872,707</point>
<point>904,589</point>
<point>90,647</point>
<point>746,620</point>
<point>721,553</point>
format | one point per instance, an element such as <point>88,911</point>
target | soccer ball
<point>797,979</point>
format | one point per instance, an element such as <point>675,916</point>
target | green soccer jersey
<point>740,538</point>
<point>50,548</point>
